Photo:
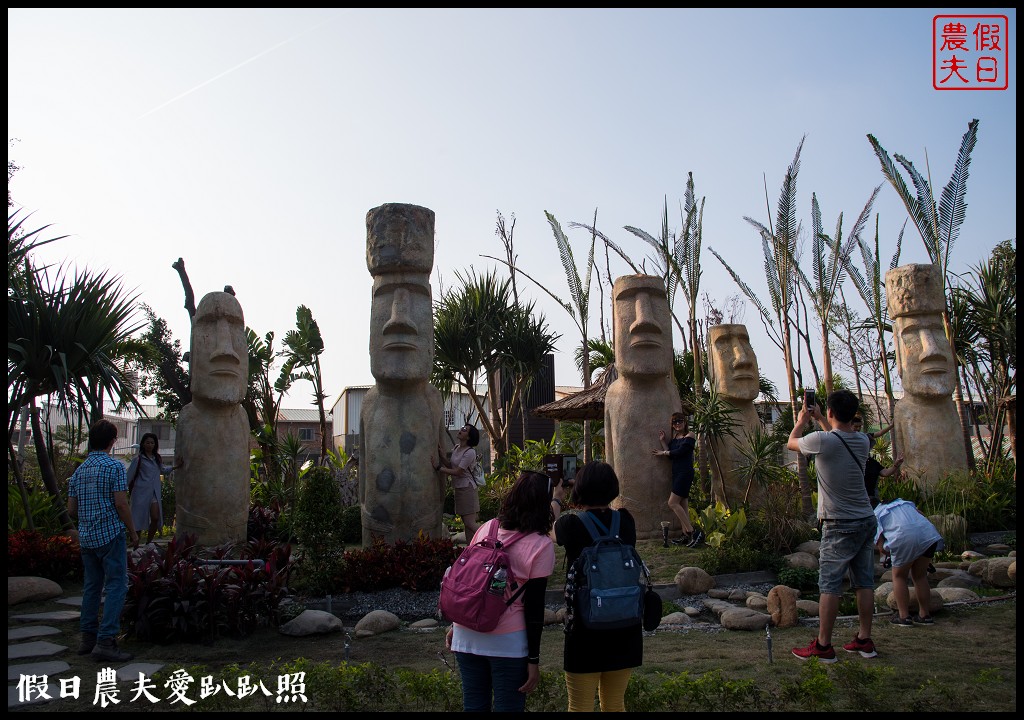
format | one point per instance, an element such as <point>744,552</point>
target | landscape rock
<point>959,579</point>
<point>802,560</point>
<point>377,622</point>
<point>743,618</point>
<point>951,594</point>
<point>31,589</point>
<point>811,547</point>
<point>935,602</point>
<point>312,622</point>
<point>693,581</point>
<point>808,606</point>
<point>676,618</point>
<point>781,604</point>
<point>757,602</point>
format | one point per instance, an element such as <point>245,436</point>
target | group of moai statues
<point>400,430</point>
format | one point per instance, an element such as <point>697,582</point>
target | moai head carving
<point>732,366</point>
<point>400,256</point>
<point>219,356</point>
<point>643,330</point>
<point>923,356</point>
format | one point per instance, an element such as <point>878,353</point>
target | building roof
<point>298,415</point>
<point>587,404</point>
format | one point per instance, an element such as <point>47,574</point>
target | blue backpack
<point>605,585</point>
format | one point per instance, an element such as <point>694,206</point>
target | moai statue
<point>927,425</point>
<point>400,427</point>
<point>641,400</point>
<point>733,372</point>
<point>211,449</point>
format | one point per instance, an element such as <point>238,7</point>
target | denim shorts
<point>847,545</point>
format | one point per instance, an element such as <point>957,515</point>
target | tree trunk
<point>961,408</point>
<point>805,482</point>
<point>588,450</point>
<point>46,468</point>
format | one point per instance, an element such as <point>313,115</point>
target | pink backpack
<point>473,590</point>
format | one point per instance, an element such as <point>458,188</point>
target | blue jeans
<point>847,545</point>
<point>106,568</point>
<point>482,674</point>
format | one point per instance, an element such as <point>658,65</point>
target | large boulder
<point>996,571</point>
<point>312,622</point>
<point>811,547</point>
<point>377,622</point>
<point>31,589</point>
<point>935,602</point>
<point>743,618</point>
<point>802,560</point>
<point>951,594</point>
<point>960,579</point>
<point>693,581</point>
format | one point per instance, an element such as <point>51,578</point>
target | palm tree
<point>480,331</point>
<point>63,339</point>
<point>870,286</point>
<point>579,294</point>
<point>829,272</point>
<point>779,246</point>
<point>304,345</point>
<point>939,225</point>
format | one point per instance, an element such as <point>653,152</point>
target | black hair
<point>596,484</point>
<point>156,446</point>
<point>527,506</point>
<point>844,405</point>
<point>473,435</point>
<point>101,434</point>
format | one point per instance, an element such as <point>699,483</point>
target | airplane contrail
<point>255,57</point>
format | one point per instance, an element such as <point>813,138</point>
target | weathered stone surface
<point>935,602</point>
<point>37,648</point>
<point>959,579</point>
<point>30,589</point>
<point>926,419</point>
<point>211,448</point>
<point>743,618</point>
<point>951,594</point>
<point>757,602</point>
<point>996,571</point>
<point>312,622</point>
<point>131,671</point>
<point>428,623</point>
<point>641,400</point>
<point>733,371</point>
<point>693,581</point>
<point>54,616</point>
<point>808,606</point>
<point>782,606</point>
<point>52,667</point>
<point>882,591</point>
<point>811,547</point>
<point>377,622</point>
<point>401,419</point>
<point>22,633</point>
<point>677,619</point>
<point>802,560</point>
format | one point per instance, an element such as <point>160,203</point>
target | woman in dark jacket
<point>597,661</point>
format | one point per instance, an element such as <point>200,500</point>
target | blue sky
<point>253,142</point>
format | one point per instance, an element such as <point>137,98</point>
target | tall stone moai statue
<point>400,428</point>
<point>733,372</point>
<point>927,425</point>
<point>212,443</point>
<point>641,400</point>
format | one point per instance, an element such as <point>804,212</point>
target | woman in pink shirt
<point>500,667</point>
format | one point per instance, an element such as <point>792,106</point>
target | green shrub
<point>745,554</point>
<point>799,578</point>
<point>417,566</point>
<point>317,522</point>
<point>350,526</point>
<point>43,506</point>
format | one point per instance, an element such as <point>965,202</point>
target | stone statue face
<point>924,356</point>
<point>401,327</point>
<point>643,334</point>
<point>219,354</point>
<point>733,365</point>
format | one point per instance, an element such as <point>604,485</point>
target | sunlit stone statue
<point>927,425</point>
<point>400,426</point>
<point>733,372</point>
<point>641,400</point>
<point>212,443</point>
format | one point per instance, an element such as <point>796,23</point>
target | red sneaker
<point>866,648</point>
<point>824,654</point>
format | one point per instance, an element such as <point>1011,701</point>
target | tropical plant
<point>779,247</point>
<point>159,361</point>
<point>480,330</point>
<point>63,338</point>
<point>939,226</point>
<point>303,347</point>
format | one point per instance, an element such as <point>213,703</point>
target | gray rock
<point>22,633</point>
<point>31,589</point>
<point>53,667</point>
<point>693,581</point>
<point>377,622</point>
<point>312,622</point>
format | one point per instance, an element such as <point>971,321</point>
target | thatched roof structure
<point>586,404</point>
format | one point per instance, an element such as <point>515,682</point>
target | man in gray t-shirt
<point>846,519</point>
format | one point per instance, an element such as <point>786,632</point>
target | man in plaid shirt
<point>98,499</point>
